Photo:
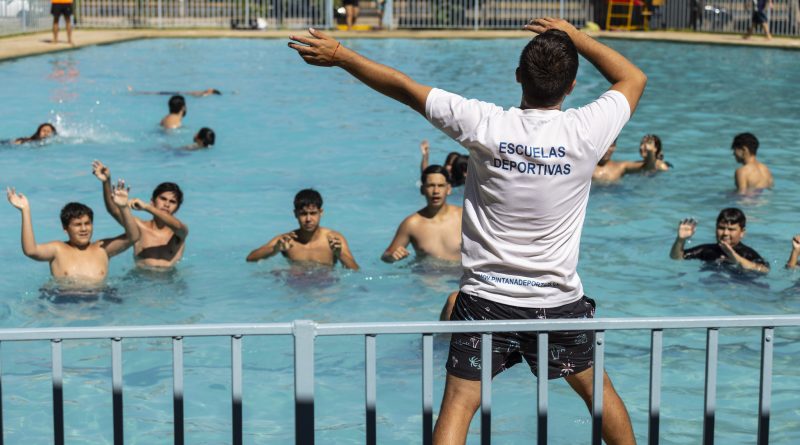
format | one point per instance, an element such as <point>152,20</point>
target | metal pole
<point>304,333</point>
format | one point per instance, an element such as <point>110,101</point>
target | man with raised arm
<point>434,230</point>
<point>310,243</point>
<point>524,205</point>
<point>163,237</point>
<point>78,262</point>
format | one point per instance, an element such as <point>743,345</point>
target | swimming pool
<point>282,126</point>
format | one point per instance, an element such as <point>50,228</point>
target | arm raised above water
<point>322,50</point>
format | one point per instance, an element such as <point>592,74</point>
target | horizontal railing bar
<point>432,327</point>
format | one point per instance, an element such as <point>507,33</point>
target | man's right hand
<point>101,171</point>
<point>544,24</point>
<point>796,243</point>
<point>17,200</point>
<point>398,254</point>
<point>425,148</point>
<point>686,228</point>
<point>285,242</point>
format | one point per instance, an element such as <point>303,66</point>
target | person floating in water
<point>78,262</point>
<point>43,132</point>
<point>194,93</point>
<point>177,111</point>
<point>455,164</point>
<point>752,175</point>
<point>204,138</point>
<point>795,252</point>
<point>434,230</point>
<point>608,171</point>
<point>310,242</point>
<point>163,237</point>
<point>729,248</point>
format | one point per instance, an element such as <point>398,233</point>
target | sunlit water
<point>282,126</point>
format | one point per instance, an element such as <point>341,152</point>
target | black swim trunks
<point>350,2</point>
<point>59,9</point>
<point>570,352</point>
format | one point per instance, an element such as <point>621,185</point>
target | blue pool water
<point>282,126</point>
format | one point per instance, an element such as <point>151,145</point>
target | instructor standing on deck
<point>525,199</point>
<point>59,8</point>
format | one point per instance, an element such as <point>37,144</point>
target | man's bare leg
<point>617,429</point>
<point>460,401</point>
<point>349,16</point>
<point>68,19</point>
<point>766,30</point>
<point>55,29</point>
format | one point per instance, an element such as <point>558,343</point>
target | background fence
<point>731,16</point>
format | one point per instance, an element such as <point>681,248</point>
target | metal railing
<point>730,16</point>
<point>305,332</point>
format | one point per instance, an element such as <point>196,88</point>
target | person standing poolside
<point>351,13</point>
<point>177,111</point>
<point>608,171</point>
<point>524,205</point>
<point>760,17</point>
<point>795,252</point>
<point>57,9</point>
<point>729,248</point>
<point>310,242</point>
<point>78,262</point>
<point>163,237</point>
<point>752,175</point>
<point>434,230</point>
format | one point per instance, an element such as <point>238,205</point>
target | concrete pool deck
<point>39,43</point>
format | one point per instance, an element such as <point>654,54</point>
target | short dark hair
<point>451,157</point>
<point>433,170</point>
<point>206,137</point>
<point>547,67</point>
<point>36,136</point>
<point>75,210</point>
<point>215,91</point>
<point>732,215</point>
<point>656,141</point>
<point>176,103</point>
<point>168,187</point>
<point>459,170</point>
<point>746,140</point>
<point>307,197</point>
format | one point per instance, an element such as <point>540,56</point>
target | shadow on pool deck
<point>39,43</point>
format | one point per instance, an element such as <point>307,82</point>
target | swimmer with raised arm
<point>77,262</point>
<point>434,230</point>
<point>523,210</point>
<point>752,175</point>
<point>795,252</point>
<point>608,170</point>
<point>163,237</point>
<point>729,248</point>
<point>177,111</point>
<point>43,132</point>
<point>309,243</point>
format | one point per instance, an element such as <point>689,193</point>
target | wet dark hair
<point>206,137</point>
<point>168,187</point>
<point>36,136</point>
<point>307,197</point>
<point>432,170</point>
<point>732,215</point>
<point>75,210</point>
<point>459,170</point>
<point>547,67</point>
<point>657,141</point>
<point>451,158</point>
<point>176,103</point>
<point>217,92</point>
<point>747,141</point>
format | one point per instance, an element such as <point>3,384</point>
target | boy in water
<point>752,175</point>
<point>608,171</point>
<point>434,230</point>
<point>177,110</point>
<point>43,132</point>
<point>78,261</point>
<point>310,242</point>
<point>163,237</point>
<point>729,248</point>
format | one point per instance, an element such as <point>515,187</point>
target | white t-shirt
<point>526,192</point>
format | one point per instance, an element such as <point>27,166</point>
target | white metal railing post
<point>656,348</point>
<point>329,14</point>
<point>1,399</point>
<point>58,392</point>
<point>427,389</point>
<point>561,9</point>
<point>116,389</point>
<point>177,389</point>
<point>304,333</point>
<point>709,411</point>
<point>371,388</point>
<point>160,15</point>
<point>765,389</point>
<point>247,13</point>
<point>476,6</point>
<point>388,14</point>
<point>542,340</point>
<point>597,387</point>
<point>236,388</point>
<point>486,389</point>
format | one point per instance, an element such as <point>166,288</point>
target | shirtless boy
<point>729,248</point>
<point>164,236</point>
<point>434,230</point>
<point>310,242</point>
<point>78,262</point>
<point>177,110</point>
<point>752,175</point>
<point>608,171</point>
